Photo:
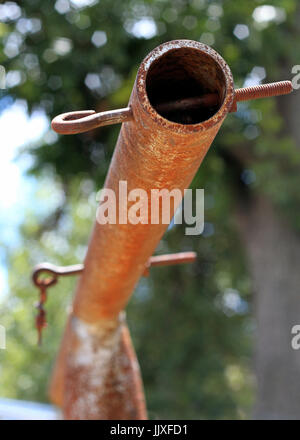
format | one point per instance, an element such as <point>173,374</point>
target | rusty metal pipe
<point>152,151</point>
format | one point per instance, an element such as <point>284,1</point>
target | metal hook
<point>53,270</point>
<point>57,271</point>
<point>85,120</point>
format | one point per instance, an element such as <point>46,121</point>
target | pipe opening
<point>186,85</point>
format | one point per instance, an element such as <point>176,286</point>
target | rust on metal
<point>170,259</point>
<point>208,100</point>
<point>156,149</point>
<point>181,96</point>
<point>54,272</point>
<point>105,382</point>
<point>40,320</point>
<point>261,91</point>
<point>42,284</point>
<point>85,120</point>
<point>75,269</point>
<point>152,152</point>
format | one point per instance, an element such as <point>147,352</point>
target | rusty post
<point>97,369</point>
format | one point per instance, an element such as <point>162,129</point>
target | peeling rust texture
<point>105,380</point>
<point>97,375</point>
<point>153,151</point>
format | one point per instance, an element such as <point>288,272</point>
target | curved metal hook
<point>85,120</point>
<point>54,271</point>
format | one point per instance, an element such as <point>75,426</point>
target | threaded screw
<point>263,91</point>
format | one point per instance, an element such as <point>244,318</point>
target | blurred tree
<point>192,326</point>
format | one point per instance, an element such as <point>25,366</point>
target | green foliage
<point>193,348</point>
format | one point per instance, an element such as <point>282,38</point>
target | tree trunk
<point>274,256</point>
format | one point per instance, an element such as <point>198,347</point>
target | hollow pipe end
<point>178,57</point>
